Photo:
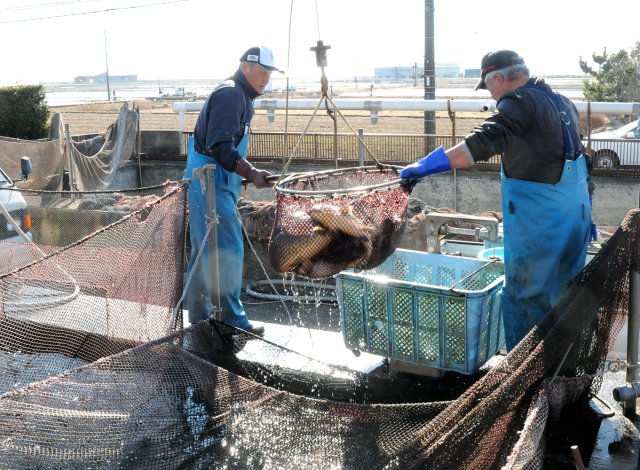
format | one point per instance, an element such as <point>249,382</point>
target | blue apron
<point>230,242</point>
<point>546,234</point>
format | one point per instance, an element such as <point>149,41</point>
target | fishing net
<point>62,218</point>
<point>333,220</point>
<point>47,161</point>
<point>94,161</point>
<point>94,374</point>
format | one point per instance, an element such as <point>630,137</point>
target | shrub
<point>23,112</point>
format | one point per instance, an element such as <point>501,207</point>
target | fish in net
<point>334,220</point>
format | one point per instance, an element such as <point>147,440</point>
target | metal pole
<point>106,61</point>
<point>633,335</point>
<point>360,147</point>
<point>67,137</point>
<point>452,117</point>
<point>139,146</point>
<point>212,217</point>
<point>429,67</point>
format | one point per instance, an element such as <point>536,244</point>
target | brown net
<point>61,218</point>
<point>333,220</point>
<point>47,160</point>
<point>92,373</point>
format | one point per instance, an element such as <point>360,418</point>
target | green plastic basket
<point>430,309</point>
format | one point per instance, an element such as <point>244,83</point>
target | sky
<point>46,41</point>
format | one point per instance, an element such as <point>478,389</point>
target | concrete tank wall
<point>468,191</point>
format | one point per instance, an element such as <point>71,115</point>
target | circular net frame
<point>334,220</point>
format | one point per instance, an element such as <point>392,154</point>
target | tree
<point>617,77</point>
<point>24,113</point>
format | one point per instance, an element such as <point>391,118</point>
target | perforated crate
<point>430,309</point>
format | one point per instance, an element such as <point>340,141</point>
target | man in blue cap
<point>221,137</point>
<point>546,203</point>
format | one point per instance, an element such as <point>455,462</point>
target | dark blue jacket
<point>224,120</point>
<point>526,130</point>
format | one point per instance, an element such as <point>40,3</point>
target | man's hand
<point>252,174</point>
<point>259,178</point>
<point>436,162</point>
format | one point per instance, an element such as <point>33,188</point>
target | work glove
<point>436,162</point>
<point>259,178</point>
<point>252,174</point>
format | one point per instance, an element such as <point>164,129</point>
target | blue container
<point>430,309</point>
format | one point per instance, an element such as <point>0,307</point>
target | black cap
<point>497,60</point>
<point>261,55</point>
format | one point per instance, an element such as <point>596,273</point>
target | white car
<point>618,147</point>
<point>16,206</point>
<point>15,250</point>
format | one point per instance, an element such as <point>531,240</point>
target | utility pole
<point>429,67</point>
<point>106,59</point>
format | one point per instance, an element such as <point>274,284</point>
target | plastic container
<point>430,309</point>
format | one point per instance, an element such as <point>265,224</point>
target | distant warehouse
<point>102,78</point>
<point>403,73</point>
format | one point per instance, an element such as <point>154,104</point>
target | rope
<point>261,264</point>
<point>253,250</point>
<point>324,96</point>
<point>22,304</point>
<point>293,297</point>
<point>304,132</point>
<point>354,132</point>
<point>174,314</point>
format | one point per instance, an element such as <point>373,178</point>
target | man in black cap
<point>546,204</point>
<point>221,137</point>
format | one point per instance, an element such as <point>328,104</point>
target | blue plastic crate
<point>430,309</point>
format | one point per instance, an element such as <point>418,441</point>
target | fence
<point>387,148</point>
<point>610,156</point>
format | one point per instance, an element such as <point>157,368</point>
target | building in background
<point>472,73</point>
<point>411,73</point>
<point>102,78</point>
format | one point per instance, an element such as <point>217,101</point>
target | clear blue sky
<point>165,39</point>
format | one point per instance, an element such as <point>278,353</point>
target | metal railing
<point>319,147</point>
<point>619,156</point>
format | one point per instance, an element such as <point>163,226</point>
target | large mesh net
<point>95,374</point>
<point>93,160</point>
<point>338,219</point>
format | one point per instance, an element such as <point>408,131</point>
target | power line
<point>93,12</point>
<point>45,5</point>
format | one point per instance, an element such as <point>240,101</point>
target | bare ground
<point>159,115</point>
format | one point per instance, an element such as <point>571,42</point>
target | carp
<point>320,242</point>
<point>288,251</point>
<point>339,219</point>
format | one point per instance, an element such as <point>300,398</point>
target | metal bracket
<point>270,106</point>
<point>374,107</point>
<point>437,228</point>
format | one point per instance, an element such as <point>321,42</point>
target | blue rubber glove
<point>436,162</point>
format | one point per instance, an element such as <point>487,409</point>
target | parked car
<point>15,250</point>
<point>16,206</point>
<point>618,147</point>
